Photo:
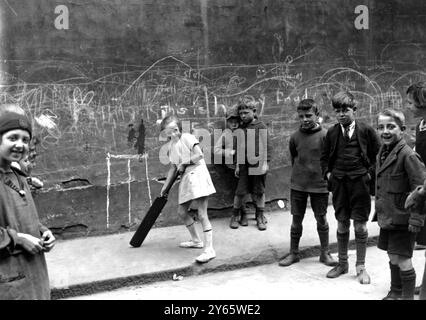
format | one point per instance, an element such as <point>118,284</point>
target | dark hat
<point>12,120</point>
<point>232,113</point>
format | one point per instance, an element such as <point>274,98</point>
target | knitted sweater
<point>305,150</point>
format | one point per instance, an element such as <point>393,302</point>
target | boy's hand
<point>30,243</point>
<point>237,171</point>
<point>415,198</point>
<point>328,175</point>
<point>229,152</point>
<point>413,229</point>
<point>48,240</point>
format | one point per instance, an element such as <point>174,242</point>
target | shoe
<point>417,290</point>
<point>289,260</point>
<point>338,270</point>
<point>233,224</point>
<point>362,275</point>
<point>261,222</point>
<point>327,259</point>
<point>206,256</point>
<point>243,220</point>
<point>192,244</point>
<point>393,295</point>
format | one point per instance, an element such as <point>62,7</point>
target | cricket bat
<point>152,215</point>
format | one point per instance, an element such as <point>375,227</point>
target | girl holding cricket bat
<point>187,158</point>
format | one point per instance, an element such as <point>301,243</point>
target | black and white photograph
<point>210,156</point>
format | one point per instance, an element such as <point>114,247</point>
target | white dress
<point>196,181</point>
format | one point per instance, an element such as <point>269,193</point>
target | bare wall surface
<point>115,62</point>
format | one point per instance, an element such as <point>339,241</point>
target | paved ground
<point>95,264</point>
<point>304,280</point>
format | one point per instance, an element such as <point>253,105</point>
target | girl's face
<point>14,146</point>
<point>172,131</point>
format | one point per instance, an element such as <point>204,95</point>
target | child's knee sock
<point>295,235</point>
<point>342,246</point>
<point>361,247</point>
<point>408,280</point>
<point>323,230</point>
<point>208,238</point>
<point>193,231</point>
<point>396,284</point>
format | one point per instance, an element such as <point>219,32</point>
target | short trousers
<point>399,242</point>
<point>250,184</point>
<point>351,198</point>
<point>299,199</point>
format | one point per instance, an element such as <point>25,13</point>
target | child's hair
<point>308,104</point>
<point>418,92</point>
<point>246,104</point>
<point>169,119</point>
<point>343,100</point>
<point>396,115</point>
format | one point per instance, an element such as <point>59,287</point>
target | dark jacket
<point>401,172</point>
<point>368,141</point>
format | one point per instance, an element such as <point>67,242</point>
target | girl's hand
<point>181,169</point>
<point>48,240</point>
<point>162,191</point>
<point>30,243</point>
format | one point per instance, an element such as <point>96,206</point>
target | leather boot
<point>327,259</point>
<point>261,220</point>
<point>338,270</point>
<point>289,260</point>
<point>293,256</point>
<point>234,219</point>
<point>243,218</point>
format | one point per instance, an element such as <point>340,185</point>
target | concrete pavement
<point>94,264</point>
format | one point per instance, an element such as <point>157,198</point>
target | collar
<point>351,126</point>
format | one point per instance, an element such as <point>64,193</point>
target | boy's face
<point>172,131</point>
<point>232,123</point>
<point>389,131</point>
<point>345,116</point>
<point>246,115</point>
<point>14,145</point>
<point>417,111</point>
<point>308,119</point>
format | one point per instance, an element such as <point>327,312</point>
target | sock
<point>208,238</point>
<point>323,231</point>
<point>295,235</point>
<point>408,279</point>
<point>361,247</point>
<point>342,246</point>
<point>396,284</point>
<point>236,212</point>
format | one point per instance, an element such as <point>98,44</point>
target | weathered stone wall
<point>122,61</point>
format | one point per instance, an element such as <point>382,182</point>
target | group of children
<point>350,159</point>
<point>353,162</point>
